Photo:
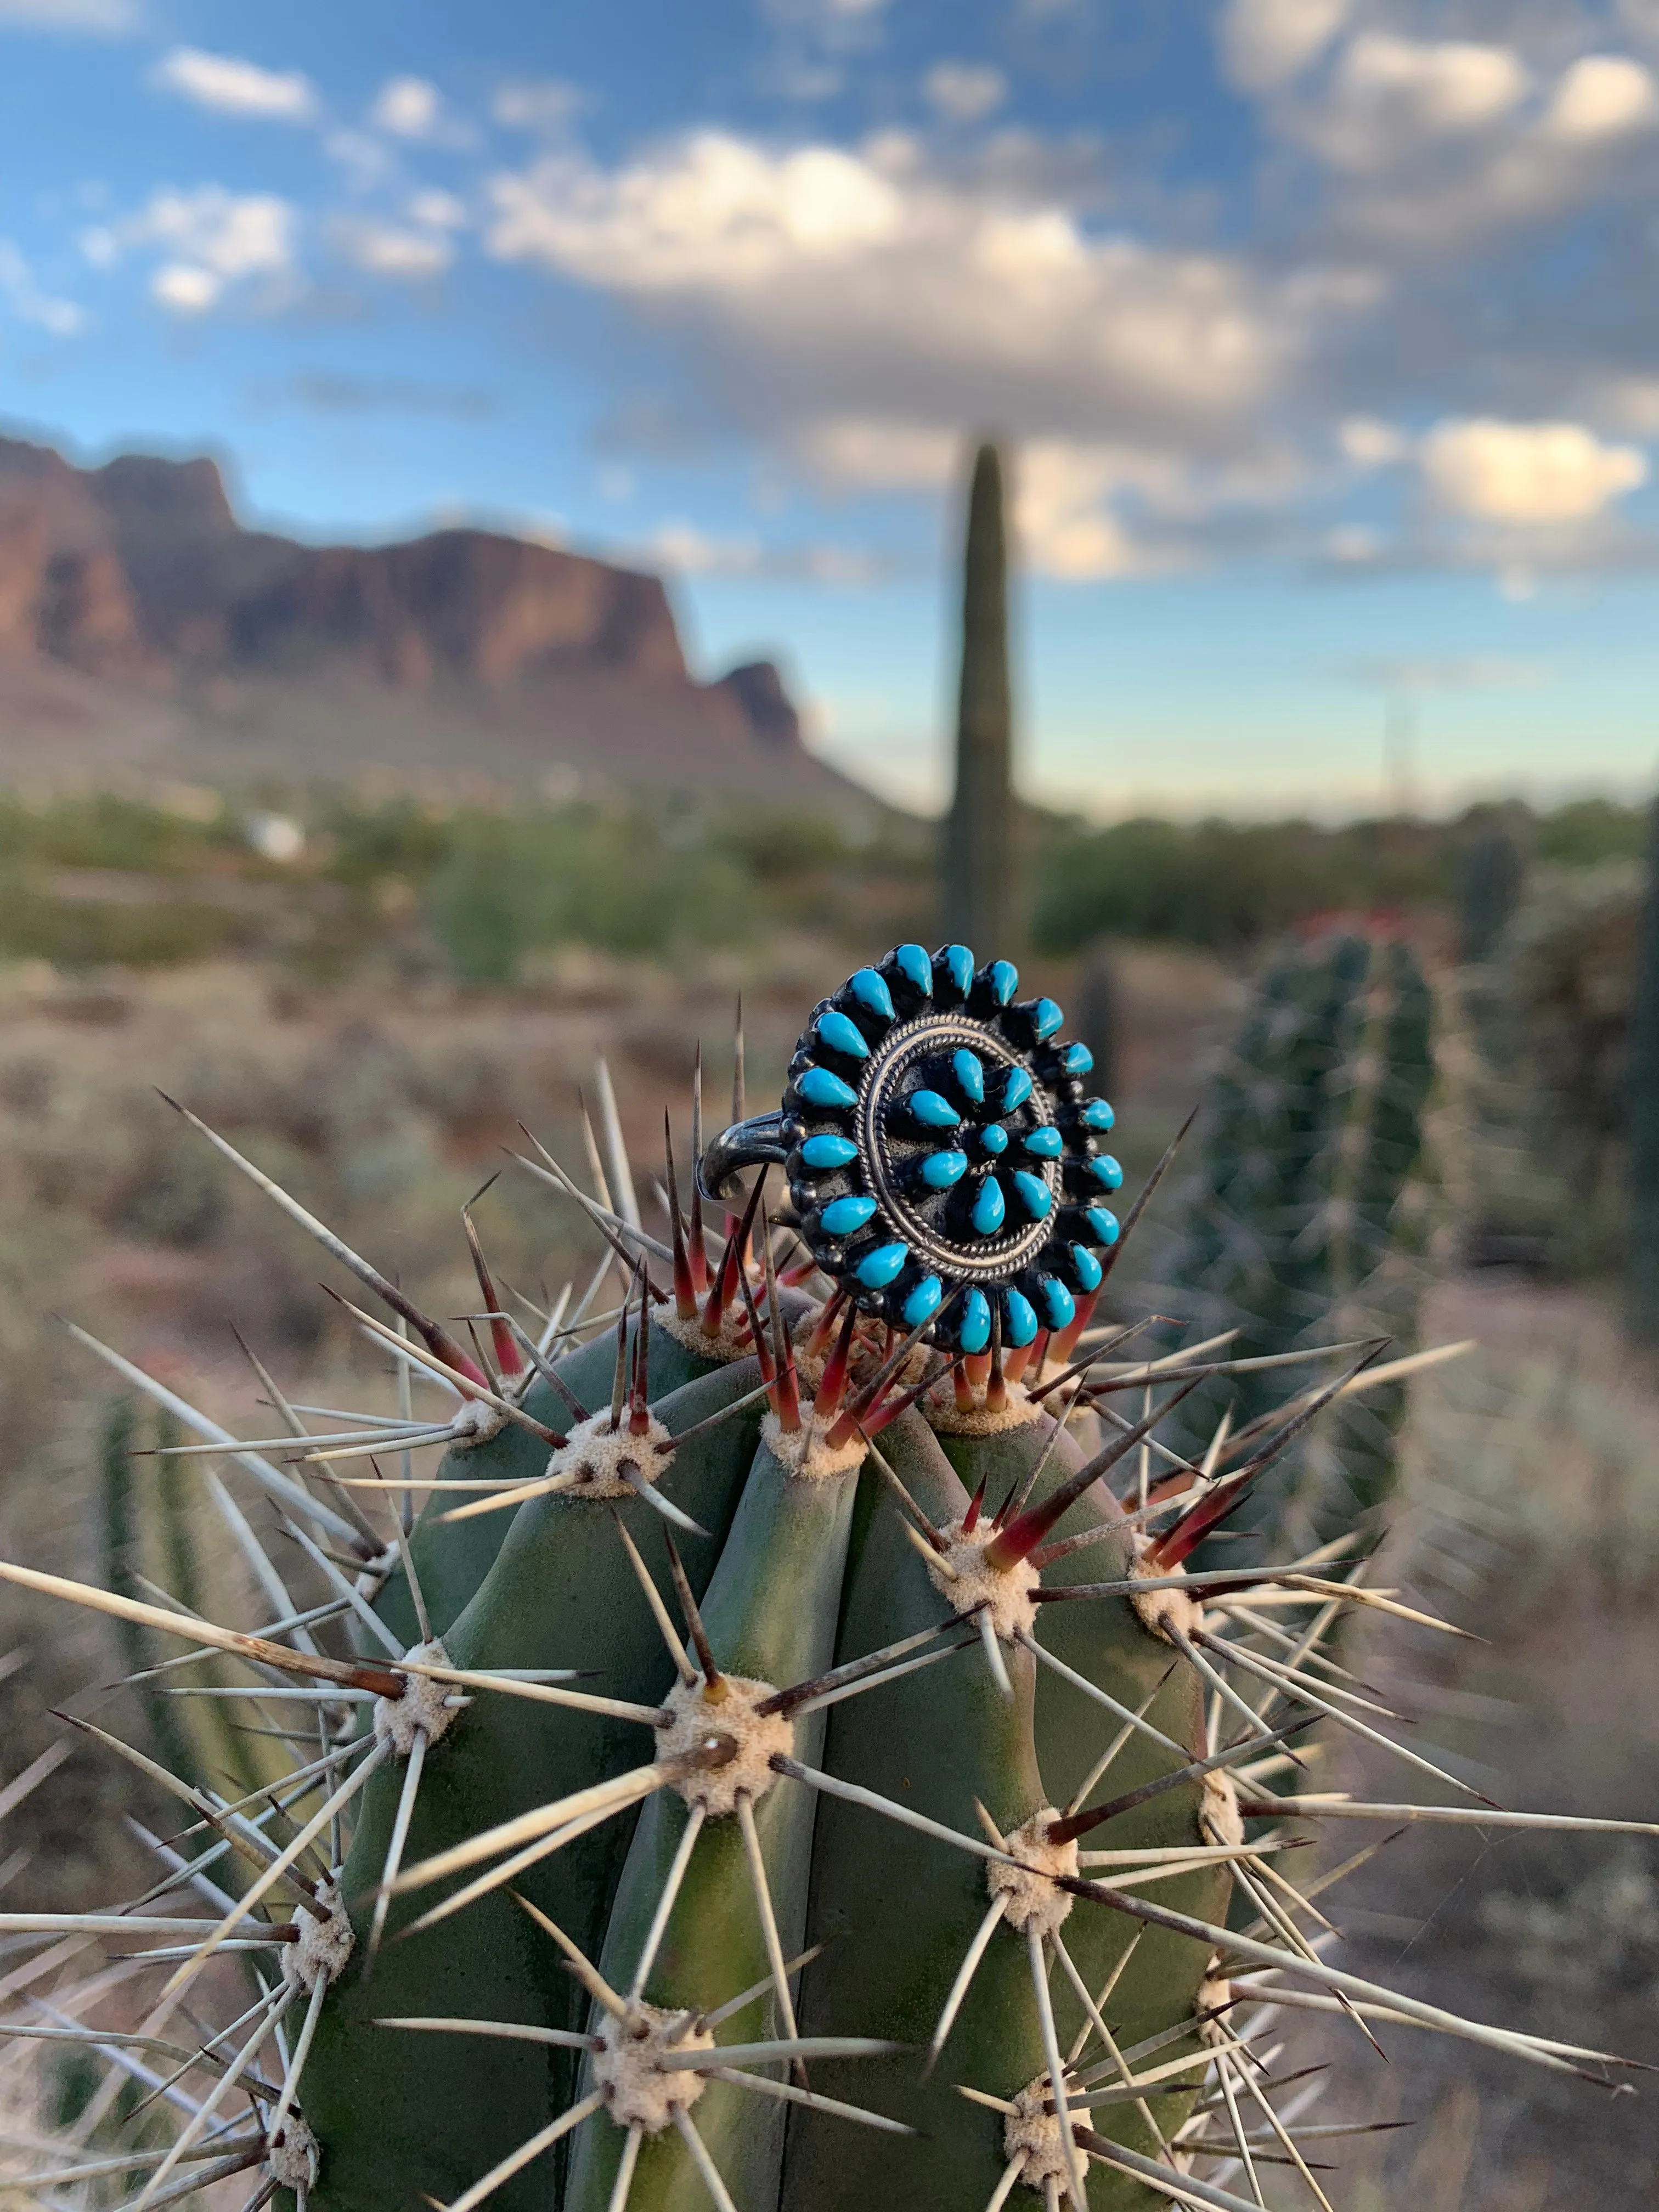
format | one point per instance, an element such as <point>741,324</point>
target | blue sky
<point>1326,333</point>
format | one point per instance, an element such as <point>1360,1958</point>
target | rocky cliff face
<point>138,575</point>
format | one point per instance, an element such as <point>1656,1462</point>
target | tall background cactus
<point>1294,1233</point>
<point>980,837</point>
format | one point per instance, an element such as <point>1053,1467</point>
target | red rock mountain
<point>143,629</point>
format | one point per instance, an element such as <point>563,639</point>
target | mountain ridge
<point>145,629</point>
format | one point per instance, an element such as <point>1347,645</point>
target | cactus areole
<point>785,1764</point>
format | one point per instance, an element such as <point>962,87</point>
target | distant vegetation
<point>1228,885</point>
<point>481,892</point>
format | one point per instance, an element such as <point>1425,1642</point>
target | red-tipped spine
<point>832,1390</point>
<point>871,1422</point>
<point>638,1404</point>
<point>699,1250</point>
<point>757,1336</point>
<point>1066,1342</point>
<point>996,1384</point>
<point>619,1380</point>
<point>1027,1530</point>
<point>962,1385</point>
<point>970,1518</point>
<point>686,1288</point>
<point>508,1358</point>
<point>1176,1544</point>
<point>824,1326</point>
<point>787,1398</point>
<point>731,1267</point>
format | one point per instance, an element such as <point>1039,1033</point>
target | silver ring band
<point>757,1142</point>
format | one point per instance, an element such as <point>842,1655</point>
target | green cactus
<point>1293,1235</point>
<point>826,1791</point>
<point>177,1530</point>
<point>1489,875</point>
<point>979,836</point>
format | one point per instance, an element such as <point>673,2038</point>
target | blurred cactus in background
<point>1295,1233</point>
<point>1490,875</point>
<point>1099,1017</point>
<point>980,904</point>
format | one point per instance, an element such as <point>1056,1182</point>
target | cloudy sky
<point>1326,330</point>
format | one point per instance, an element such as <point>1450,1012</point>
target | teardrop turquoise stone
<point>970,1072</point>
<point>871,990</point>
<point>1034,1194</point>
<point>915,966</point>
<point>976,1333</point>
<point>1045,1143</point>
<point>818,1087</point>
<point>828,1150</point>
<point>933,1111</point>
<point>1022,1317</point>
<point>842,1217</point>
<point>843,1034</point>
<point>989,1207</point>
<point>877,1268</point>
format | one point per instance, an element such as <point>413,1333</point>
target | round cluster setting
<point>942,1140</point>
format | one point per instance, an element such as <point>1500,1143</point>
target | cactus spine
<point>830,1788</point>
<point>979,850</point>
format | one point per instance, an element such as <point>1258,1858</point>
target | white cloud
<point>187,289</point>
<point>835,287</point>
<point>368,162</point>
<point>1369,444</point>
<point>695,552</point>
<point>866,454</point>
<point>438,210</point>
<point>1067,528</point>
<point>715,211</point>
<point>28,302</point>
<point>1527,474</point>
<point>407,106</point>
<point>1266,43</point>
<point>546,106</point>
<point>98,18</point>
<point>1466,672</point>
<point>386,249</point>
<point>1601,96</point>
<point>965,91</point>
<point>233,87</point>
<point>210,238</point>
<point>1390,98</point>
<point>1626,403</point>
<point>1437,145</point>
